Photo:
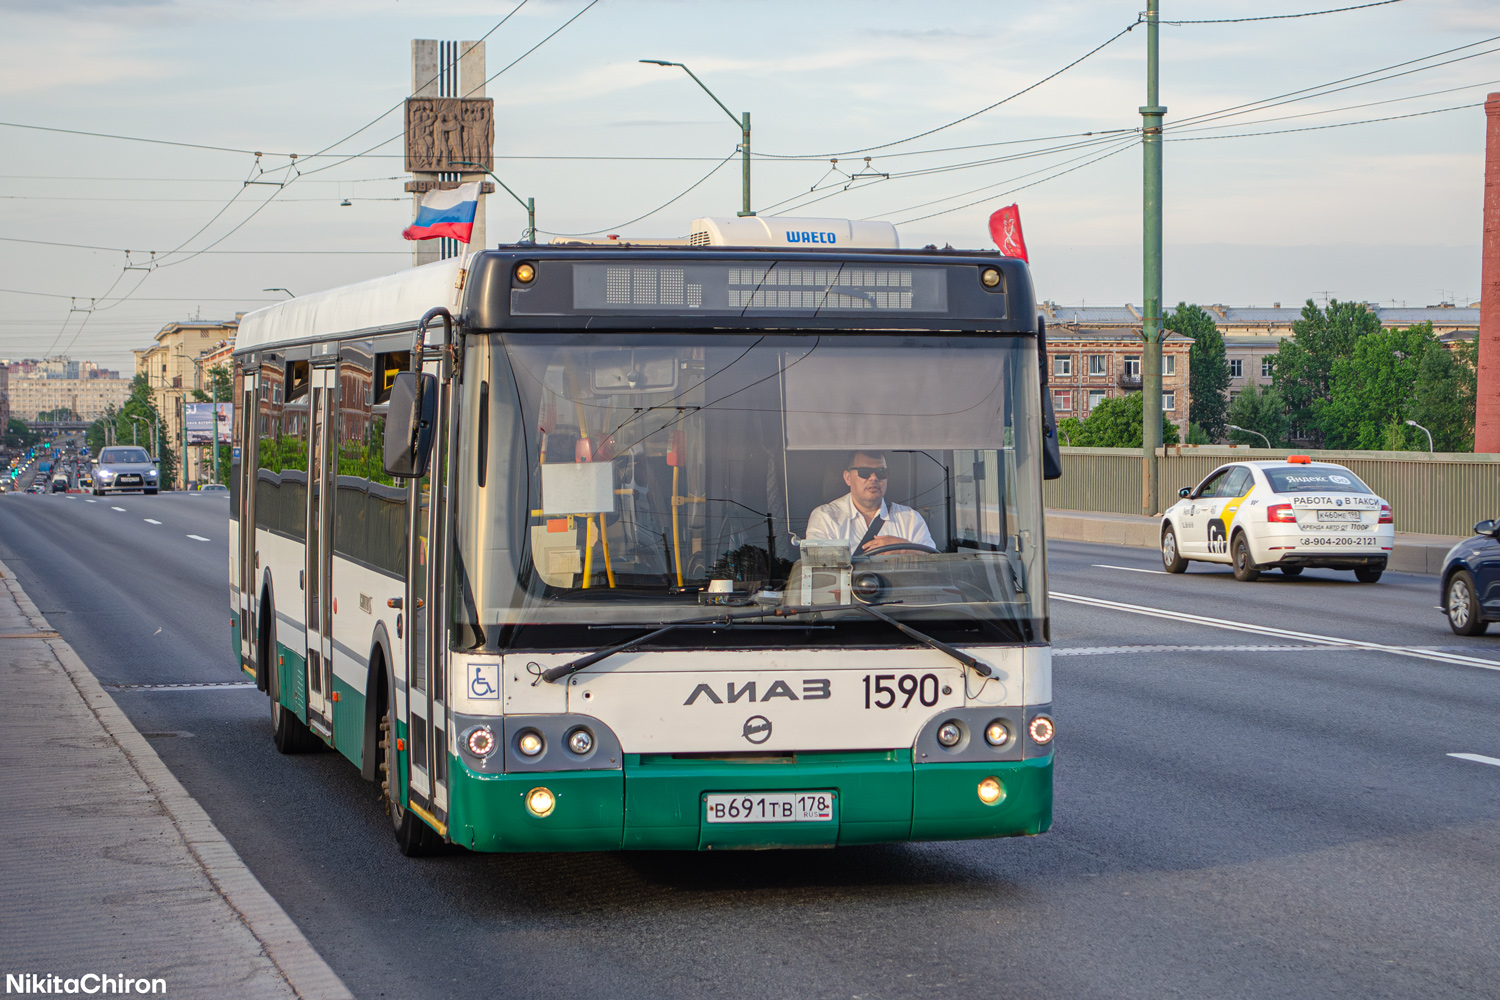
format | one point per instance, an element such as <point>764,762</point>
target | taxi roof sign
<point>1300,459</point>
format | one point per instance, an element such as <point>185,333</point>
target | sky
<point>1263,201</point>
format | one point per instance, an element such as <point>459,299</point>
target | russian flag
<point>447,213</point>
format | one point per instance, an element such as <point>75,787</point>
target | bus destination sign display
<point>757,288</point>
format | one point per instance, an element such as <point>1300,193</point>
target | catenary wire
<point>596,232</point>
<point>958,121</point>
<point>1282,17</point>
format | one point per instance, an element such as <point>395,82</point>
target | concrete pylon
<point>1487,401</point>
<point>456,70</point>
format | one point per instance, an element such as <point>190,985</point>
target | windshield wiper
<point>573,666</point>
<point>978,666</point>
<point>728,621</point>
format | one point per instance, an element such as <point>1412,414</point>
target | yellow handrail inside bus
<point>676,537</point>
<point>609,571</point>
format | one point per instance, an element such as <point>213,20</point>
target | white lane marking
<point>117,508</point>
<point>1477,758</point>
<point>1109,650</point>
<point>1280,633</point>
<point>198,538</point>
<point>191,686</point>
<point>150,520</point>
<point>1131,569</point>
<point>87,500</point>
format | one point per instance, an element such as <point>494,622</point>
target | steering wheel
<point>898,547</point>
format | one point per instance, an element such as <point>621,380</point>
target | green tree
<point>221,384</point>
<point>19,435</point>
<point>1302,368</point>
<point>1443,399</point>
<point>1372,389</point>
<point>1261,410</point>
<point>1208,368</point>
<point>1116,423</point>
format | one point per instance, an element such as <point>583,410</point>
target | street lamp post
<point>529,204</point>
<point>1413,423</point>
<point>155,435</point>
<point>743,122</point>
<point>1246,430</point>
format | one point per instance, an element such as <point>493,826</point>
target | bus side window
<point>387,365</point>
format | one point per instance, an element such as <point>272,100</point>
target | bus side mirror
<point>1185,492</point>
<point>408,424</point>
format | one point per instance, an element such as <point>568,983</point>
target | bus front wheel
<point>414,838</point>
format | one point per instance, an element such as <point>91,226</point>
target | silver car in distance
<point>124,467</point>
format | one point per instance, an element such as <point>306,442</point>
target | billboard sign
<point>201,419</point>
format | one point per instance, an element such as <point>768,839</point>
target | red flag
<point>1005,229</point>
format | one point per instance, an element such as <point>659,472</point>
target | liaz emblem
<point>757,729</point>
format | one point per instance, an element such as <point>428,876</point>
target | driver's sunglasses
<point>865,471</point>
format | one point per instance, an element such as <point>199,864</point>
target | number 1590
<point>880,693</point>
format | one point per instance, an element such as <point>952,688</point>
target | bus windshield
<point>627,479</point>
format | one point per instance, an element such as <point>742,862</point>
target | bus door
<point>245,443</point>
<point>426,640</point>
<point>319,589</point>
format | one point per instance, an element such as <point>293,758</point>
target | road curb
<point>303,969</point>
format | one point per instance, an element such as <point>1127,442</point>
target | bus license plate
<point>769,807</point>
<point>1338,515</point>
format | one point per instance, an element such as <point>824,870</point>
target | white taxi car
<point>1280,515</point>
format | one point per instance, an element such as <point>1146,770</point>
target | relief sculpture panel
<point>441,131</point>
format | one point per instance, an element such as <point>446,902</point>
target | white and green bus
<point>526,536</point>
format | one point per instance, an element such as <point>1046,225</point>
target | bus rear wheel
<point>414,838</point>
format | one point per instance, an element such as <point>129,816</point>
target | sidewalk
<point>1414,553</point>
<point>107,866</point>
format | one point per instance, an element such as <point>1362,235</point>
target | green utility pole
<point>529,204</point>
<point>743,121</point>
<point>1151,329</point>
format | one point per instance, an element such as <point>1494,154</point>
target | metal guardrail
<point>1440,493</point>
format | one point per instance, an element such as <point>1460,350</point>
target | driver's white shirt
<point>840,519</point>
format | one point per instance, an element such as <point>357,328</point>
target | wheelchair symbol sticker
<point>484,681</point>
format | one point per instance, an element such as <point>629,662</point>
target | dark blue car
<point>1471,581</point>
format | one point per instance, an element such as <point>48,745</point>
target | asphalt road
<point>1239,814</point>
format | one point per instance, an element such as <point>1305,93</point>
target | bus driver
<point>863,518</point>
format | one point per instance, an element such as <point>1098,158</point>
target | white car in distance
<point>1287,515</point>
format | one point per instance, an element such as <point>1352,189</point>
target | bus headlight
<point>580,741</point>
<point>1042,730</point>
<point>991,791</point>
<point>949,734</point>
<point>481,741</point>
<point>997,733</point>
<point>530,743</point>
<point>540,802</point>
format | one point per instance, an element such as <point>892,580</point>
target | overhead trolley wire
<point>958,121</point>
<point>690,187</point>
<point>1283,17</point>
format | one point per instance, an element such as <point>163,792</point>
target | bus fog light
<point>580,741</point>
<point>997,734</point>
<point>949,733</point>
<point>481,741</point>
<point>530,743</point>
<point>540,802</point>
<point>1042,729</point>
<point>991,791</point>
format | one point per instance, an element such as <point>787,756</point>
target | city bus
<point>528,537</point>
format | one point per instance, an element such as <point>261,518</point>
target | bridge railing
<point>1441,493</point>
